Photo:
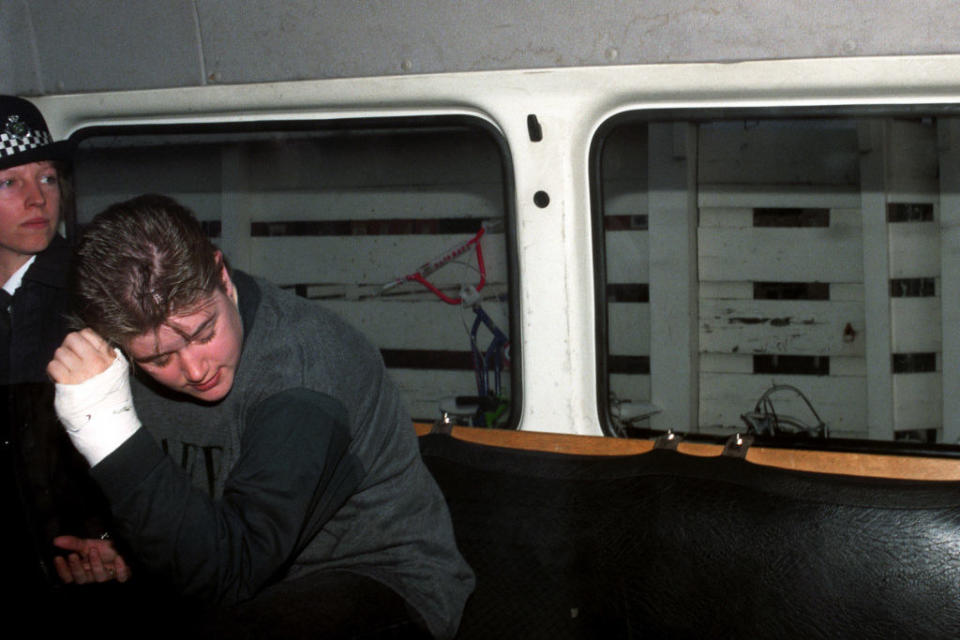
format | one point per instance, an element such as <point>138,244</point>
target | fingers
<point>93,561</point>
<point>70,543</point>
<point>113,563</point>
<point>72,568</point>
<point>96,340</point>
<point>82,355</point>
<point>62,569</point>
<point>93,339</point>
<point>57,370</point>
<point>98,570</point>
<point>78,569</point>
<point>123,571</point>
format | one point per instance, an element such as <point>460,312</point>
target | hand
<point>92,560</point>
<point>82,355</point>
<point>93,398</point>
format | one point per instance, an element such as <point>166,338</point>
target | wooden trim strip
<point>852,464</point>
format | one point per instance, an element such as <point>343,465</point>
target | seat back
<point>664,544</point>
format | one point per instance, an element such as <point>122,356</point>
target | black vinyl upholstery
<point>667,545</point>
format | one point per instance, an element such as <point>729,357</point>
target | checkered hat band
<point>12,145</point>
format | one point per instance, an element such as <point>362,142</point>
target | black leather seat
<point>666,545</point>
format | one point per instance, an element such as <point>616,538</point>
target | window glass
<point>790,276</point>
<point>625,233</point>
<point>342,214</point>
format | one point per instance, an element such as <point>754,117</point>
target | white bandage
<point>98,413</point>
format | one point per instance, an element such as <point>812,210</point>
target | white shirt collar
<point>16,279</point>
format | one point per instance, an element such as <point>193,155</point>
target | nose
<point>34,193</point>
<point>192,365</point>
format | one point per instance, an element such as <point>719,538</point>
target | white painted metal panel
<point>555,243</point>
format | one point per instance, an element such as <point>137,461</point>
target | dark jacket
<point>38,314</point>
<point>44,483</point>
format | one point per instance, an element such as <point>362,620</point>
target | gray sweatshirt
<point>310,463</point>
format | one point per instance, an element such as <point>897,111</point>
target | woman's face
<point>29,210</point>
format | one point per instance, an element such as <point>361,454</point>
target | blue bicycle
<point>490,407</point>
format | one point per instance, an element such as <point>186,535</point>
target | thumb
<point>70,543</point>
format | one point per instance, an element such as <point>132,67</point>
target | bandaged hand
<point>93,399</point>
<point>82,355</point>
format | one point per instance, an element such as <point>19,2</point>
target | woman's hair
<point>68,216</point>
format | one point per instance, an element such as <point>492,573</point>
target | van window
<point>342,213</point>
<point>788,275</point>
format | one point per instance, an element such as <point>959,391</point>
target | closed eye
<point>159,361</point>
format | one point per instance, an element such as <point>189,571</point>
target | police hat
<point>24,136</point>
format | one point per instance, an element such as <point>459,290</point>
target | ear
<point>225,280</point>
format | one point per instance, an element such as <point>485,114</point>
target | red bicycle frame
<point>420,275</point>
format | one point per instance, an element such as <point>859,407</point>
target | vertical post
<point>874,137</point>
<point>674,309</point>
<point>236,208</point>
<point>948,132</point>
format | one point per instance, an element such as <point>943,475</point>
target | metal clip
<point>443,426</point>
<point>668,441</point>
<point>737,446</point>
